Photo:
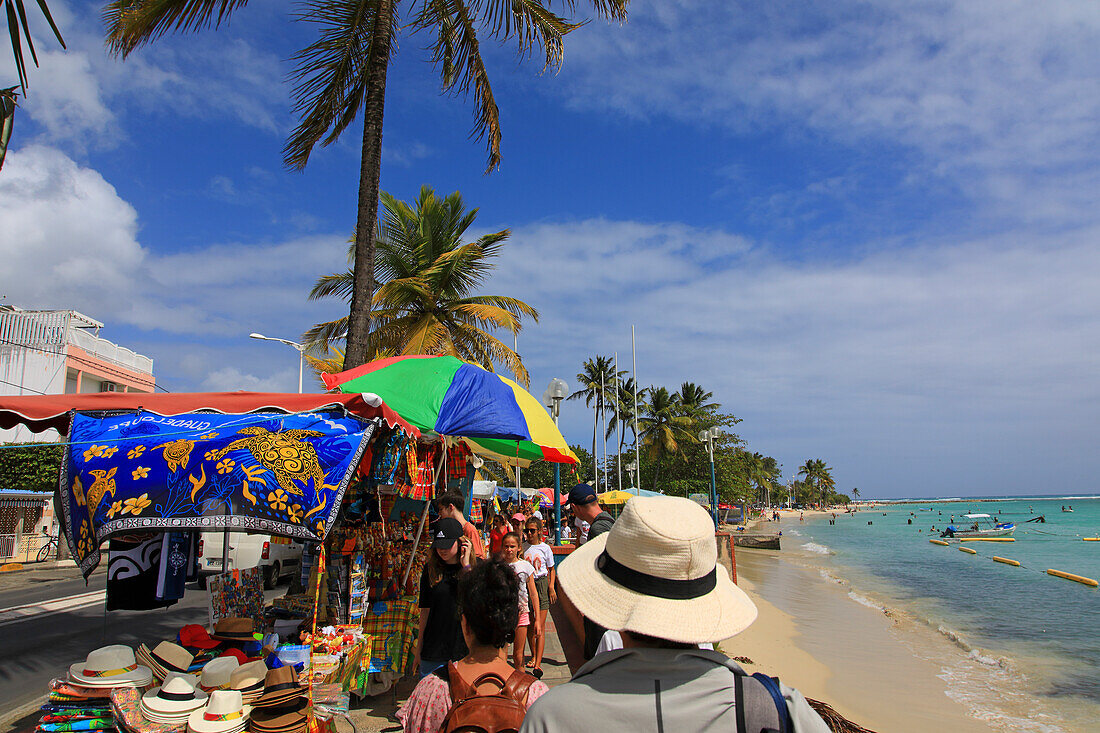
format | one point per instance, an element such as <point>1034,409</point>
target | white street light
<point>708,437</point>
<point>294,345</point>
<point>555,392</point>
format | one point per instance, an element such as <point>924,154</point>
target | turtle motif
<point>283,453</point>
<point>177,453</point>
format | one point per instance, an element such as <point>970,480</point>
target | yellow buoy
<point>987,539</point>
<point>1091,539</point>
<point>1075,578</point>
<point>1006,561</point>
<point>938,542</point>
<point>967,549</point>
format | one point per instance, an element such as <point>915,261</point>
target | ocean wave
<point>970,688</point>
<point>829,577</point>
<point>973,652</point>
<point>865,601</point>
<point>817,549</point>
<point>795,532</point>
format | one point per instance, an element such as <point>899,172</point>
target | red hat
<point>195,636</point>
<point>241,656</point>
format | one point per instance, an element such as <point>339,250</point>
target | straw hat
<point>172,701</point>
<point>215,675</point>
<point>225,712</point>
<point>233,628</point>
<point>166,657</point>
<point>280,688</point>
<point>248,679</point>
<point>110,666</point>
<point>655,573</point>
<point>289,719</point>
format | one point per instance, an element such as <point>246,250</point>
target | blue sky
<point>870,228</point>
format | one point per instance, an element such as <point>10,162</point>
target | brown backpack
<point>502,712</point>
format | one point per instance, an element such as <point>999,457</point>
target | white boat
<point>979,525</point>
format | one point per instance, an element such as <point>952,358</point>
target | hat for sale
<point>237,654</point>
<point>194,636</point>
<point>291,718</point>
<point>233,628</point>
<point>172,701</point>
<point>215,675</point>
<point>582,494</point>
<point>225,712</point>
<point>165,657</point>
<point>280,688</point>
<point>248,679</point>
<point>447,531</point>
<point>110,666</point>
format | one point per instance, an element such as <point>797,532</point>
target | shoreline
<point>817,639</point>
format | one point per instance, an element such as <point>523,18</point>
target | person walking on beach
<point>582,498</point>
<point>654,578</point>
<point>450,505</point>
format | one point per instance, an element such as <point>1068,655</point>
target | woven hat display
<point>110,666</point>
<point>165,657</point>
<point>248,679</point>
<point>194,636</point>
<point>215,675</point>
<point>290,718</point>
<point>224,712</point>
<point>280,688</point>
<point>234,628</point>
<point>173,701</point>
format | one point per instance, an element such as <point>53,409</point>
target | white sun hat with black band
<point>655,573</point>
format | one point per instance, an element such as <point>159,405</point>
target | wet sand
<point>859,660</point>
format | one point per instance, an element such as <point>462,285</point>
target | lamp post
<point>631,466</point>
<point>294,345</point>
<point>708,437</point>
<point>555,392</point>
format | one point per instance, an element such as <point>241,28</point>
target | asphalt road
<point>66,621</point>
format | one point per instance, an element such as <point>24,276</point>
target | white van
<point>278,556</point>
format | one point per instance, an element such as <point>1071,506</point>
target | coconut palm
<point>817,476</point>
<point>343,72</point>
<point>620,409</point>
<point>16,15</point>
<point>426,303</point>
<point>597,383</point>
<point>695,400</point>
<point>662,427</point>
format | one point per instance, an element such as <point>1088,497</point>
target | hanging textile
<point>477,515</point>
<point>420,483</point>
<point>133,567</point>
<point>391,625</point>
<point>458,455</point>
<point>237,593</point>
<point>262,472</point>
<point>388,456</point>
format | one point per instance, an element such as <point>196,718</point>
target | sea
<point>1028,643</point>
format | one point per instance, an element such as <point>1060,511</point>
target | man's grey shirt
<point>644,690</point>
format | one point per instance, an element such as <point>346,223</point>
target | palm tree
<point>344,71</point>
<point>620,408</point>
<point>819,476</point>
<point>662,427</point>
<point>695,400</point>
<point>16,15</point>
<point>596,384</point>
<point>425,304</point>
<point>855,493</point>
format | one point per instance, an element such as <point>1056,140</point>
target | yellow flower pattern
<point>136,505</point>
<point>295,513</point>
<point>140,472</point>
<point>94,452</point>
<point>208,436</point>
<point>226,465</point>
<point>115,509</point>
<point>277,500</point>
<point>135,452</point>
<point>108,452</point>
<point>209,455</point>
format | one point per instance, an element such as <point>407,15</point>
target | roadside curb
<point>17,567</point>
<point>11,567</point>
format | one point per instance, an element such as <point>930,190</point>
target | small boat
<point>981,525</point>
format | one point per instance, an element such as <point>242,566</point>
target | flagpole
<point>603,424</point>
<point>637,450</point>
<point>619,422</point>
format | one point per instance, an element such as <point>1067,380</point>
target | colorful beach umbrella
<point>496,416</point>
<point>611,498</point>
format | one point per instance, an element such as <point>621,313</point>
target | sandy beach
<point>858,659</point>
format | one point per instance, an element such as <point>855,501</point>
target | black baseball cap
<point>446,532</point>
<point>582,494</point>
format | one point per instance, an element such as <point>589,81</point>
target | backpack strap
<point>518,685</point>
<point>771,684</point>
<point>739,702</point>
<point>460,689</point>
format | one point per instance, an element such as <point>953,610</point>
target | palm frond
<point>133,23</point>
<point>336,285</point>
<point>17,18</point>
<point>531,24</point>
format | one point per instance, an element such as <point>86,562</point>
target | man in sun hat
<point>654,577</point>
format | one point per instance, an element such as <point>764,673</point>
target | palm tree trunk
<point>370,173</point>
<point>657,470</point>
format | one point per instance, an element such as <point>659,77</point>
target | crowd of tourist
<point>651,578</point>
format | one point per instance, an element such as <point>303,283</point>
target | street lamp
<point>294,345</point>
<point>555,392</point>
<point>631,466</point>
<point>708,437</point>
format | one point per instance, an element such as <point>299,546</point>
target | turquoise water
<point>1019,618</point>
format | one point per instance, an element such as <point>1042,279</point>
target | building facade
<point>61,352</point>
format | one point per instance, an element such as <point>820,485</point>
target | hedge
<point>30,466</point>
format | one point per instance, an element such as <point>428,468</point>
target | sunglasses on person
<point>532,529</point>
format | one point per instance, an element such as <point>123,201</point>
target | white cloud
<point>1001,97</point>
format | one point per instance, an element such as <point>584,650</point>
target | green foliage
<point>30,466</point>
<point>541,473</point>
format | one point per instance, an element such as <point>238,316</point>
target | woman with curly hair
<point>488,604</point>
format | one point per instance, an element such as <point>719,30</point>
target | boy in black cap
<point>440,638</point>
<point>582,498</point>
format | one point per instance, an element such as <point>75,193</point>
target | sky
<point>869,228</point>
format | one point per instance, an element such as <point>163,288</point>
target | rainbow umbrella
<point>498,418</point>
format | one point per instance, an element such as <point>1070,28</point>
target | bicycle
<point>47,549</point>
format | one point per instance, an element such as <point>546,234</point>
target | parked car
<point>278,556</point>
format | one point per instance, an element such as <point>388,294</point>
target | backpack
<point>763,706</point>
<point>502,712</point>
